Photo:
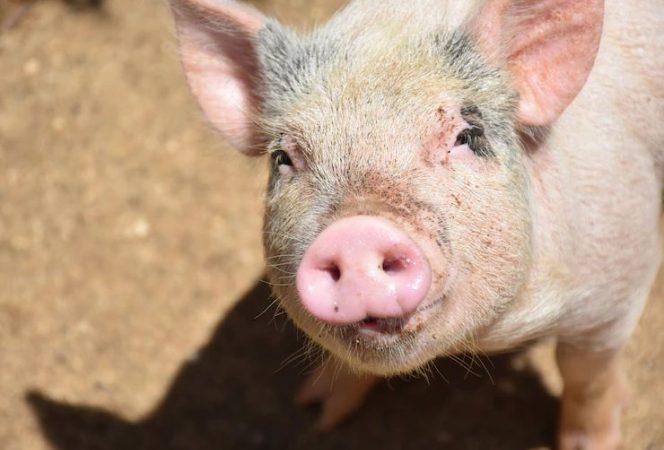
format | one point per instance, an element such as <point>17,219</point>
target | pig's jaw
<point>384,347</point>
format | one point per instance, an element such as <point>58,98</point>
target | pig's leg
<point>340,391</point>
<point>594,394</point>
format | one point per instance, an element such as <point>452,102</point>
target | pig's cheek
<point>461,153</point>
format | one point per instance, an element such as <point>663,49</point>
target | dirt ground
<point>130,265</point>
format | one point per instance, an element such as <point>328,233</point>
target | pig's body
<point>451,176</point>
<point>596,187</point>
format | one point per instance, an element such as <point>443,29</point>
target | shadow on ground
<point>235,396</point>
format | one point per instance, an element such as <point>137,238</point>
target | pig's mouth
<point>384,346</point>
<point>373,329</point>
<point>373,325</point>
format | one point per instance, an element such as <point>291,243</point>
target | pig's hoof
<point>339,391</point>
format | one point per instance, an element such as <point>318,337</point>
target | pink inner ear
<point>224,94</point>
<point>549,46</point>
<point>217,47</point>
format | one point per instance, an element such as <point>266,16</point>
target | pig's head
<point>398,216</point>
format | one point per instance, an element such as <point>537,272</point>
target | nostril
<point>393,265</point>
<point>333,271</point>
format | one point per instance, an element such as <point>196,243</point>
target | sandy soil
<point>130,265</point>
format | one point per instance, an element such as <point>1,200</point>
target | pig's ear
<point>549,47</point>
<point>217,40</point>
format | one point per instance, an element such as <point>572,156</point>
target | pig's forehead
<point>389,55</point>
<point>374,76</point>
<point>385,67</point>
<point>368,81</point>
<point>393,95</point>
<point>365,112</point>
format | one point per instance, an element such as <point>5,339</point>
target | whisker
<point>272,303</point>
<point>437,369</point>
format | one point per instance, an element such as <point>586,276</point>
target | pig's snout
<point>361,268</point>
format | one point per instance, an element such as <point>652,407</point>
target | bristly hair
<point>295,65</point>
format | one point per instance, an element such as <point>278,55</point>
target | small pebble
<point>58,124</point>
<point>31,67</point>
<point>139,229</point>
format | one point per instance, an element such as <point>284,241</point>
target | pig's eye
<point>470,136</point>
<point>280,159</point>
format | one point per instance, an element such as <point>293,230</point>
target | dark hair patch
<point>474,134</point>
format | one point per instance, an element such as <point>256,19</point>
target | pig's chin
<point>381,346</point>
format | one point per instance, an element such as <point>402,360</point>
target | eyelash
<point>469,136</point>
<point>280,158</point>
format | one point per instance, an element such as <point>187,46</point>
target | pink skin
<point>362,267</point>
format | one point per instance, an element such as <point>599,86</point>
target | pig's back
<point>628,78</point>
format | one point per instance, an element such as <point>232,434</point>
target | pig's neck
<point>538,306</point>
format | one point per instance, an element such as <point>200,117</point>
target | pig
<point>450,176</point>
